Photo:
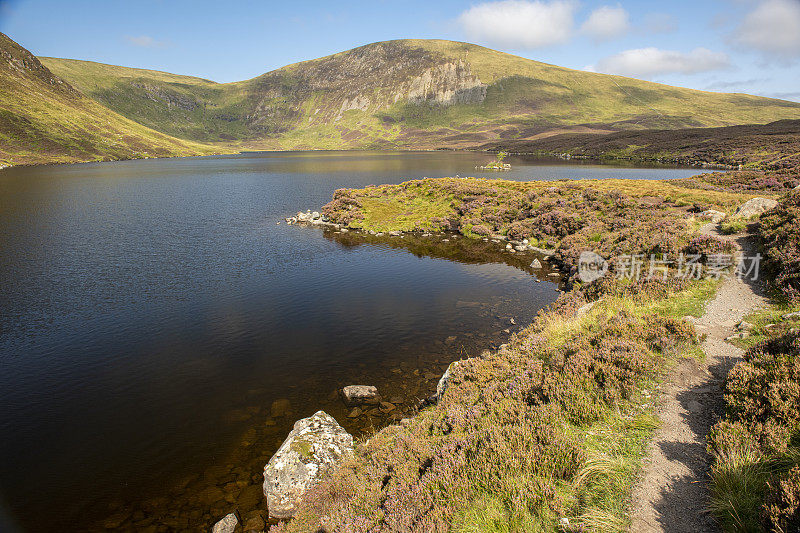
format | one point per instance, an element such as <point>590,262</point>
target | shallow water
<point>154,311</point>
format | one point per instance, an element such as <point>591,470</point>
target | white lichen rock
<point>755,206</point>
<point>226,525</point>
<point>312,449</point>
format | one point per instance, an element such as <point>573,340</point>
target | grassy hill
<point>44,119</point>
<point>410,94</point>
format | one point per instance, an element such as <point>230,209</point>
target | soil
<point>673,492</point>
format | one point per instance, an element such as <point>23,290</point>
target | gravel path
<point>672,495</point>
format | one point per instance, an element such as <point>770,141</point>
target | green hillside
<point>409,93</point>
<point>43,119</point>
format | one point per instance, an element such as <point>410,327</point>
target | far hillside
<point>407,94</point>
<point>44,119</point>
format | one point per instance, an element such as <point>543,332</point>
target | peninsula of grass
<point>546,433</point>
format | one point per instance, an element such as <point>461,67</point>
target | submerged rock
<point>226,525</point>
<point>536,264</point>
<point>312,449</point>
<point>358,394</point>
<point>755,206</point>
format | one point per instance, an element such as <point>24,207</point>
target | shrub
<point>755,448</point>
<point>779,231</point>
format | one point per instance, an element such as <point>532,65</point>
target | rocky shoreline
<point>315,218</point>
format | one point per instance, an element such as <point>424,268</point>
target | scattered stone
<point>536,264</point>
<point>395,233</point>
<point>744,326</point>
<point>790,316</point>
<point>255,523</point>
<point>226,525</point>
<point>714,215</point>
<point>513,321</point>
<point>358,394</point>
<point>387,407</point>
<point>582,310</point>
<point>355,413</point>
<point>451,339</point>
<point>280,408</point>
<point>509,246</point>
<point>250,497</point>
<point>754,207</point>
<point>740,335</point>
<point>554,275</point>
<point>310,451</point>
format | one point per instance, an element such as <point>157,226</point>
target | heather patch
<point>779,230</point>
<point>756,448</point>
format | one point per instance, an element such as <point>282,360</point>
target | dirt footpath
<point>672,495</point>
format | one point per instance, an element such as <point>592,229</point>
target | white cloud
<point>649,62</point>
<point>607,23</point>
<point>772,28</point>
<point>520,23</point>
<point>145,41</point>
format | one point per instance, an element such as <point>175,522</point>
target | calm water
<point>152,312</point>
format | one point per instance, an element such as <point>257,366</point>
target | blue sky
<point>726,45</point>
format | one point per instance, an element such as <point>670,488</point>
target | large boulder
<point>754,207</point>
<point>312,449</point>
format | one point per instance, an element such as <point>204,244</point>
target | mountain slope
<point>408,93</point>
<point>43,119</point>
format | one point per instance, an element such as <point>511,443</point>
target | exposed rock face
<point>312,449</point>
<point>226,525</point>
<point>21,61</point>
<point>371,78</point>
<point>358,394</point>
<point>167,96</point>
<point>445,84</point>
<point>755,206</point>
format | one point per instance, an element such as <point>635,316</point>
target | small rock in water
<point>226,525</point>
<point>536,264</point>
<point>358,394</point>
<point>355,413</point>
<point>451,339</point>
<point>387,407</point>
<point>254,524</point>
<point>280,408</point>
